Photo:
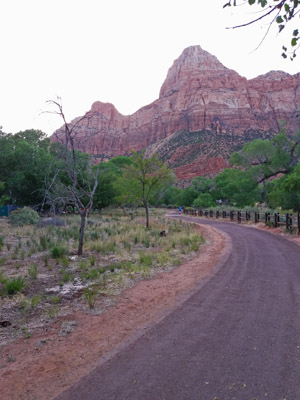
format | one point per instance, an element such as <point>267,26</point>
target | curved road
<point>237,337</point>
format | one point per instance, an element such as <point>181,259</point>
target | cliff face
<point>204,112</point>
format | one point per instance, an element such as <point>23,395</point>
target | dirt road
<point>238,337</point>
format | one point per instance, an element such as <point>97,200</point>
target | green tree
<point>110,182</point>
<point>202,184</point>
<point>285,191</point>
<point>280,12</point>
<point>3,197</point>
<point>203,200</point>
<point>281,194</point>
<point>172,195</point>
<point>265,159</point>
<point>144,177</point>
<point>25,158</point>
<point>189,194</point>
<point>236,186</point>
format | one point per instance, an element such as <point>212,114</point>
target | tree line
<point>263,171</point>
<point>34,172</point>
<point>55,177</point>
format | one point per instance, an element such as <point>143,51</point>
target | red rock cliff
<point>204,112</point>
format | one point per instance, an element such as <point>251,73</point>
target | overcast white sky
<point>116,51</point>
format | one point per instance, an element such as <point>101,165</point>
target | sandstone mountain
<point>204,112</point>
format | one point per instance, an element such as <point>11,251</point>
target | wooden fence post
<point>211,214</point>
<point>217,214</point>
<point>298,223</point>
<point>224,214</point>
<point>267,217</point>
<point>231,215</point>
<point>288,221</point>
<point>239,217</point>
<point>275,220</point>
<point>256,217</point>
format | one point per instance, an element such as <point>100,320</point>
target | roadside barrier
<point>290,221</point>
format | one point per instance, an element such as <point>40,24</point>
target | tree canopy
<point>144,177</point>
<point>280,12</point>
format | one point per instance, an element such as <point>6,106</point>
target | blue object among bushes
<point>7,209</point>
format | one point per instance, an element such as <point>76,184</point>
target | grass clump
<point>145,259</point>
<point>45,243</point>
<point>104,248</point>
<point>90,295</point>
<point>58,251</point>
<point>14,285</point>
<point>33,272</point>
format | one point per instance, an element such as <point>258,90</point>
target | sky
<point>116,51</point>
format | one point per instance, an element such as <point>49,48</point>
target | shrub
<point>14,285</point>
<point>23,216</point>
<point>58,251</point>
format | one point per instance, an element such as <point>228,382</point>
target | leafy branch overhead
<point>280,12</point>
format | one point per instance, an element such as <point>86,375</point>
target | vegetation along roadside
<point>42,278</point>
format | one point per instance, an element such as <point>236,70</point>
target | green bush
<point>14,285</point>
<point>58,251</point>
<point>23,216</point>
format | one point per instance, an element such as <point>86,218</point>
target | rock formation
<point>205,111</point>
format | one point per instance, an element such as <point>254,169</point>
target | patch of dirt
<point>60,353</point>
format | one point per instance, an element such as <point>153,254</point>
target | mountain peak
<point>193,63</point>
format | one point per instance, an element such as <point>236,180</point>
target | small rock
<point>41,343</point>
<point>5,323</point>
<point>67,327</point>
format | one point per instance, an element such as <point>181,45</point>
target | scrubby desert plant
<point>14,285</point>
<point>145,259</point>
<point>58,251</point>
<point>90,295</point>
<point>23,216</point>
<point>33,271</point>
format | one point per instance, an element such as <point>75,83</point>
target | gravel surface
<point>236,338</point>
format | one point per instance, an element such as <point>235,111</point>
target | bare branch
<point>259,18</point>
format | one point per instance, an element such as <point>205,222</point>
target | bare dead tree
<point>83,184</point>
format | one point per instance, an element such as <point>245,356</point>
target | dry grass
<point>117,253</point>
